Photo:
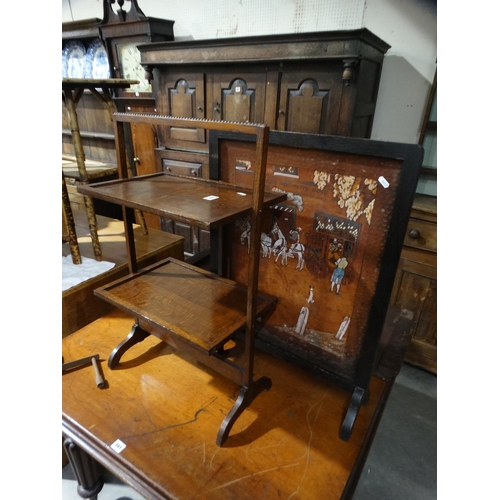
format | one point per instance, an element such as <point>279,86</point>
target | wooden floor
<point>79,305</point>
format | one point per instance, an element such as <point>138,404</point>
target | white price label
<point>118,446</point>
<point>383,181</point>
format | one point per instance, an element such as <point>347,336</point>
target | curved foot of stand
<point>136,335</point>
<point>358,399</point>
<point>246,396</point>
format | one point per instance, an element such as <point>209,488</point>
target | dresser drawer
<point>182,168</point>
<point>421,234</point>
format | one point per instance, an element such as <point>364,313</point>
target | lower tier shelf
<point>189,302</point>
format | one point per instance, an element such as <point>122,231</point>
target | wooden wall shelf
<point>91,135</point>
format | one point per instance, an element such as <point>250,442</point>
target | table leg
<point>85,470</point>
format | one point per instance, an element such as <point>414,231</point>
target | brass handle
<point>414,234</point>
<point>194,172</point>
<point>217,107</point>
<point>137,160</point>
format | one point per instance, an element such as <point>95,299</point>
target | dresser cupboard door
<point>143,155</point>
<point>237,97</point>
<point>181,94</point>
<point>309,101</point>
<point>415,289</point>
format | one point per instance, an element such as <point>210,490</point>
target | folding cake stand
<point>194,310</point>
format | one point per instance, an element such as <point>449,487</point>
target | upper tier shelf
<point>199,202</point>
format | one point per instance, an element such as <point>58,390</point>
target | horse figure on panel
<point>245,226</point>
<point>297,249</point>
<point>280,245</point>
<point>266,243</point>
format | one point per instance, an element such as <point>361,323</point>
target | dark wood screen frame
<point>367,159</point>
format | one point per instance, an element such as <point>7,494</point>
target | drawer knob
<point>414,234</point>
<point>194,173</point>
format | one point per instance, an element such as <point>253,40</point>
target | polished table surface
<point>166,409</point>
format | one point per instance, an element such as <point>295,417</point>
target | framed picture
<point>330,252</point>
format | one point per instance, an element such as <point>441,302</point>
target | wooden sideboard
<point>415,286</point>
<point>321,83</point>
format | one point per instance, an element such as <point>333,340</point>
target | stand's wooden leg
<point>94,236</point>
<point>136,335</point>
<point>85,470</point>
<point>71,102</point>
<point>358,398</point>
<point>69,225</point>
<point>246,396</point>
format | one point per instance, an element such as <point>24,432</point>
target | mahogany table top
<point>166,409</point>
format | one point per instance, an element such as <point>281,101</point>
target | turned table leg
<point>85,470</point>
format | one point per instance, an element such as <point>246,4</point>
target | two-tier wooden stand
<point>192,309</point>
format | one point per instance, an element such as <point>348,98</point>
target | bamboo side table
<point>72,91</point>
